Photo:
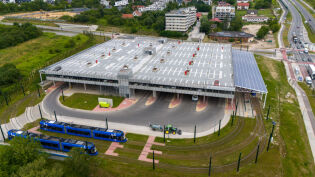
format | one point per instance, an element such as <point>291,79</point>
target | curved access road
<point>183,116</point>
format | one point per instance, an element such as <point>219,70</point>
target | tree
<point>78,164</point>
<point>9,74</point>
<point>275,27</point>
<point>205,25</point>
<point>262,32</point>
<point>21,152</point>
<point>39,167</point>
<point>210,13</point>
<point>236,24</point>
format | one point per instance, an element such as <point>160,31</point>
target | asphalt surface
<point>298,47</point>
<point>184,116</point>
<point>307,16</point>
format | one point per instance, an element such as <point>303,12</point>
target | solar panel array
<point>246,72</point>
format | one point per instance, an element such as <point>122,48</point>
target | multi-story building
<point>158,5</point>
<point>180,19</point>
<point>104,2</point>
<point>121,3</point>
<point>243,6</point>
<point>224,11</point>
<point>255,18</point>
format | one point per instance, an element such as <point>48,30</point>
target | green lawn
<point>266,12</point>
<point>87,101</point>
<point>35,22</point>
<point>310,94</point>
<point>289,154</point>
<point>31,56</point>
<point>287,25</point>
<point>290,133</point>
<point>240,13</point>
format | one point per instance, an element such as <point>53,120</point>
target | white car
<point>308,80</point>
<point>194,98</point>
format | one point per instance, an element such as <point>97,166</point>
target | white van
<point>308,80</point>
<point>305,50</point>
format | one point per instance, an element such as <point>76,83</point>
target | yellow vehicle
<point>104,104</point>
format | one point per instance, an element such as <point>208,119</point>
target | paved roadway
<point>307,16</point>
<point>184,116</point>
<point>296,27</point>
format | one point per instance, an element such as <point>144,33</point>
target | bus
<point>311,70</point>
<point>83,131</point>
<point>55,143</point>
<point>294,37</point>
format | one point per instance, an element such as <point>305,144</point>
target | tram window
<point>78,132</point>
<point>102,135</point>
<point>55,128</point>
<point>49,144</point>
<point>67,147</point>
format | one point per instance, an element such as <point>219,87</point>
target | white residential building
<point>255,18</point>
<point>158,5</point>
<point>104,2</point>
<point>208,2</point>
<point>224,11</point>
<point>243,1</point>
<point>180,19</point>
<point>121,3</point>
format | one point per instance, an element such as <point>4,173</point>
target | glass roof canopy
<point>246,72</point>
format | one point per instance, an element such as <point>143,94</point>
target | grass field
<point>290,132</point>
<point>87,101</point>
<point>266,12</point>
<point>289,154</point>
<point>35,22</point>
<point>310,94</point>
<point>286,30</point>
<point>31,56</point>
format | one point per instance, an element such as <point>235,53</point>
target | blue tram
<point>84,131</point>
<point>55,143</point>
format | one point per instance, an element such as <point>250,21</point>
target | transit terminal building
<point>162,65</point>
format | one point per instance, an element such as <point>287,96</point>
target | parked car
<point>308,80</point>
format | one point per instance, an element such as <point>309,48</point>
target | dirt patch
<point>267,43</point>
<point>42,15</point>
<point>272,69</point>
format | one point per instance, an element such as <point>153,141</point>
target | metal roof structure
<point>162,62</point>
<point>246,72</point>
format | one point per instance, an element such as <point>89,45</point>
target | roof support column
<point>69,85</point>
<point>41,78</point>
<point>265,101</point>
<point>154,93</point>
<point>100,89</point>
<point>84,86</point>
<point>54,82</point>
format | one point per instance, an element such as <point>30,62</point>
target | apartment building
<point>180,19</point>
<point>224,11</point>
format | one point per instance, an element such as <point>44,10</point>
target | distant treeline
<point>41,5</point>
<point>13,35</point>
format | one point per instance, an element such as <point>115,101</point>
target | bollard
<point>219,128</point>
<point>232,119</point>
<point>209,172</point>
<point>268,112</point>
<point>195,134</point>
<point>55,115</point>
<point>106,123</point>
<point>38,91</point>
<point>164,133</point>
<point>63,97</point>
<point>6,100</point>
<point>153,161</point>
<point>257,153</point>
<point>23,89</point>
<point>269,142</point>
<point>239,162</point>
<point>40,112</point>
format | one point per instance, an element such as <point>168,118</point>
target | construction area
<point>42,15</point>
<point>162,65</point>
